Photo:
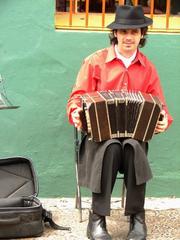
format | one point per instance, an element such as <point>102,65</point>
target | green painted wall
<point>39,65</point>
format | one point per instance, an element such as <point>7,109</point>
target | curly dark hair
<point>113,39</point>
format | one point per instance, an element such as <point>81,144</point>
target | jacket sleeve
<point>85,82</point>
<point>155,89</point>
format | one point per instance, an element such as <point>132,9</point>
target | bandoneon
<point>119,114</point>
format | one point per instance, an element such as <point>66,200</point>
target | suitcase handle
<point>10,221</point>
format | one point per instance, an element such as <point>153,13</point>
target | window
<point>97,14</point>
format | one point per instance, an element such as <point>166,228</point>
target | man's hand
<point>76,118</point>
<point>162,123</point>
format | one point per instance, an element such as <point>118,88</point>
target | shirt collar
<point>139,57</point>
<point>111,55</point>
<point>121,57</point>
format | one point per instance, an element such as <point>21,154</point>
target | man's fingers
<point>76,118</point>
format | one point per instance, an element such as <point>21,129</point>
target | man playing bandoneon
<point>119,67</point>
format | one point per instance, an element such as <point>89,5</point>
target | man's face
<point>128,40</point>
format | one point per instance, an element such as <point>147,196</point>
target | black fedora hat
<point>130,17</point>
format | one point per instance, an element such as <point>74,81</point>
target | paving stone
<point>162,218</point>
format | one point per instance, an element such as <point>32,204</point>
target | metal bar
<point>78,203</point>
<point>123,191</point>
<point>123,194</point>
<point>151,10</point>
<point>136,2</point>
<point>70,12</point>
<point>87,13</point>
<point>103,12</point>
<point>121,2</point>
<point>168,6</point>
<point>75,6</point>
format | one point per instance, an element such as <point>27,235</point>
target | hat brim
<point>114,25</point>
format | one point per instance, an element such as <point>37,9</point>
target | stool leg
<point>123,194</point>
<point>78,202</point>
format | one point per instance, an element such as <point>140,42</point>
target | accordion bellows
<point>119,114</point>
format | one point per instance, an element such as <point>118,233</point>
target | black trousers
<point>116,160</point>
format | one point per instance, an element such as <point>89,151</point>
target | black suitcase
<point>21,212</point>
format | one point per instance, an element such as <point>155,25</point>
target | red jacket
<point>104,71</point>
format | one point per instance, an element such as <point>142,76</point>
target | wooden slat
<point>87,13</point>
<point>103,12</point>
<point>168,6</point>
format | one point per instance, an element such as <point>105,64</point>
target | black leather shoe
<point>96,229</point>
<point>138,229</point>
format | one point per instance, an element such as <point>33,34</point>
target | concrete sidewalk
<point>162,218</point>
